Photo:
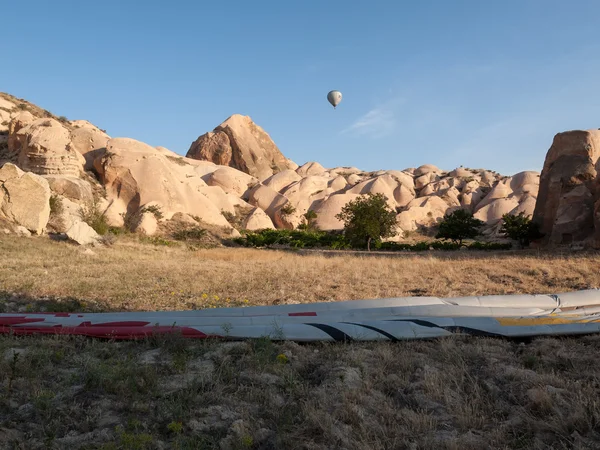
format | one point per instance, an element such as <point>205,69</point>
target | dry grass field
<point>458,393</point>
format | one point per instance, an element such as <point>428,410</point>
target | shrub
<point>230,217</point>
<point>336,240</point>
<point>440,245</point>
<point>56,206</point>
<point>489,246</point>
<point>154,209</point>
<point>367,218</point>
<point>395,246</point>
<point>108,239</point>
<point>340,243</point>
<point>178,160</point>
<point>117,231</point>
<point>194,233</point>
<point>292,238</point>
<point>157,240</point>
<point>459,225</point>
<point>420,246</point>
<point>94,217</point>
<point>520,228</point>
<point>309,221</point>
<point>131,219</point>
<point>267,237</point>
<point>287,210</point>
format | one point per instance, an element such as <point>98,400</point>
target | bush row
<point>441,245</point>
<point>335,240</point>
<point>293,238</point>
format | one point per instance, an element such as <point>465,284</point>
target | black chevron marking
<point>336,334</point>
<point>423,323</point>
<point>471,331</point>
<point>452,329</point>
<point>385,333</point>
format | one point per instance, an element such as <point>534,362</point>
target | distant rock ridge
<point>235,178</point>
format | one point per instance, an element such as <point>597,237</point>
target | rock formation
<point>282,179</point>
<point>44,147</point>
<point>24,198</point>
<point>135,174</point>
<point>232,181</point>
<point>240,143</point>
<point>235,174</point>
<point>10,151</point>
<point>257,220</point>
<point>89,141</point>
<point>75,189</point>
<point>64,213</point>
<point>82,234</point>
<point>568,203</point>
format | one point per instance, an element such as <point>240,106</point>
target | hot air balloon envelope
<point>334,97</point>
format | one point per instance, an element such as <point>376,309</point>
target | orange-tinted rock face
<point>240,143</point>
<point>567,202</point>
<point>214,147</point>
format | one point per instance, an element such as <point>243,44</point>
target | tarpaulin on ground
<point>569,313</point>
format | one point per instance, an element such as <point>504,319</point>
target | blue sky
<point>474,83</point>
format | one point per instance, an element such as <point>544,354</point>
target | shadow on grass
<point>554,254</point>
<point>11,302</point>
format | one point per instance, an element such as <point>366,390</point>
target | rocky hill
<point>240,143</point>
<point>236,178</point>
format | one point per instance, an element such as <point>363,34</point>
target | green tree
<point>367,218</point>
<point>520,228</point>
<point>459,225</point>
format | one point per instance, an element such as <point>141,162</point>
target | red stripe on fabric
<point>302,314</point>
<point>123,332</point>
<point>17,320</point>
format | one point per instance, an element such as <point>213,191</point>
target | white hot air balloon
<point>334,97</point>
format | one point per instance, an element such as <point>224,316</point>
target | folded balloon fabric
<point>570,313</point>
